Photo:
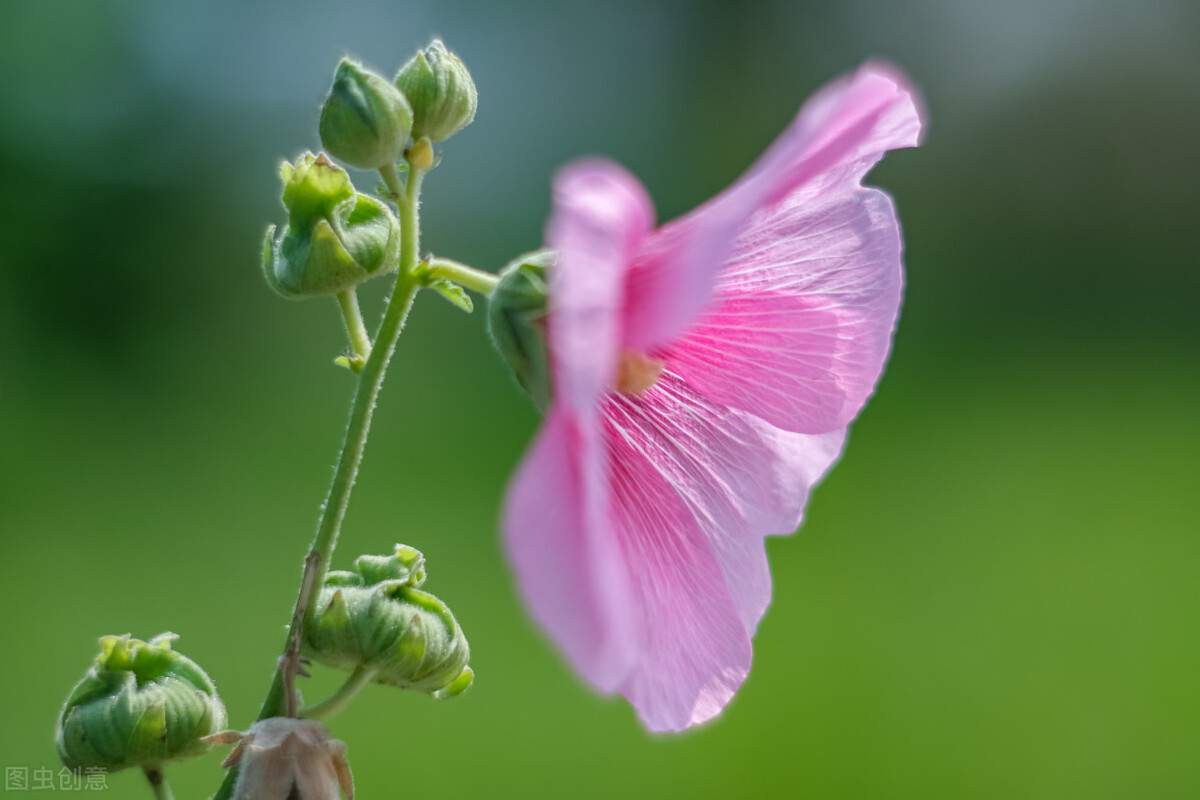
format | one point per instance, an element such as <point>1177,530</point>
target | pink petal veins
<point>693,649</point>
<point>647,564</point>
<point>739,478</point>
<point>703,378</point>
<point>838,135</point>
<point>695,488</point>
<point>801,322</point>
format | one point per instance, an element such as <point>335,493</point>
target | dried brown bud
<point>287,759</point>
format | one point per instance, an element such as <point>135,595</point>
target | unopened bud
<point>377,618</point>
<point>517,322</point>
<point>440,89</point>
<point>365,120</point>
<point>140,704</point>
<point>281,757</point>
<point>335,238</point>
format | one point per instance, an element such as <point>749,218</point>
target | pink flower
<point>704,374</point>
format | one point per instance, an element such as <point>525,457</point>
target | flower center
<point>636,372</point>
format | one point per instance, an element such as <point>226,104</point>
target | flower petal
<point>801,324</point>
<point>601,213</point>
<point>695,488</point>
<point>569,567</point>
<point>838,135</point>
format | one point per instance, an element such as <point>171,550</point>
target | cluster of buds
<point>337,237</point>
<point>376,618</point>
<point>141,704</point>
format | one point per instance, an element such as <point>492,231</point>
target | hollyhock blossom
<point>703,377</point>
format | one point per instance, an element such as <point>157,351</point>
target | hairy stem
<point>158,782</point>
<point>360,340</point>
<point>409,205</point>
<point>474,279</point>
<point>281,700</point>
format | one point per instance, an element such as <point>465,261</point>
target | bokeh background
<point>995,593</point>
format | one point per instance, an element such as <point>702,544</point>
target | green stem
<point>392,181</point>
<point>337,702</point>
<point>334,510</point>
<point>409,206</point>
<point>360,340</point>
<point>158,782</point>
<point>370,379</point>
<point>474,279</point>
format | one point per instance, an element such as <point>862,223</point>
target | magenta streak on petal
<point>801,322</point>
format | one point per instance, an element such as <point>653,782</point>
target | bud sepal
<point>140,704</point>
<point>335,239</point>
<point>376,618</point>
<point>516,322</point>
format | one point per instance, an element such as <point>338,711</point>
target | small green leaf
<point>452,292</point>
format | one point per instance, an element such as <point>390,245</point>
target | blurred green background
<point>995,593</point>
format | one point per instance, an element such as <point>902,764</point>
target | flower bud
<point>376,617</point>
<point>516,322</point>
<point>335,238</point>
<point>140,704</point>
<point>281,757</point>
<point>365,120</point>
<point>440,89</point>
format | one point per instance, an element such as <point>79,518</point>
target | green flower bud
<point>335,238</point>
<point>140,704</point>
<point>440,89</point>
<point>516,322</point>
<point>376,617</point>
<point>365,120</point>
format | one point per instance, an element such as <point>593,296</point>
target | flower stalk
<point>468,277</point>
<point>360,340</point>
<point>158,782</point>
<point>337,702</point>
<point>281,696</point>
